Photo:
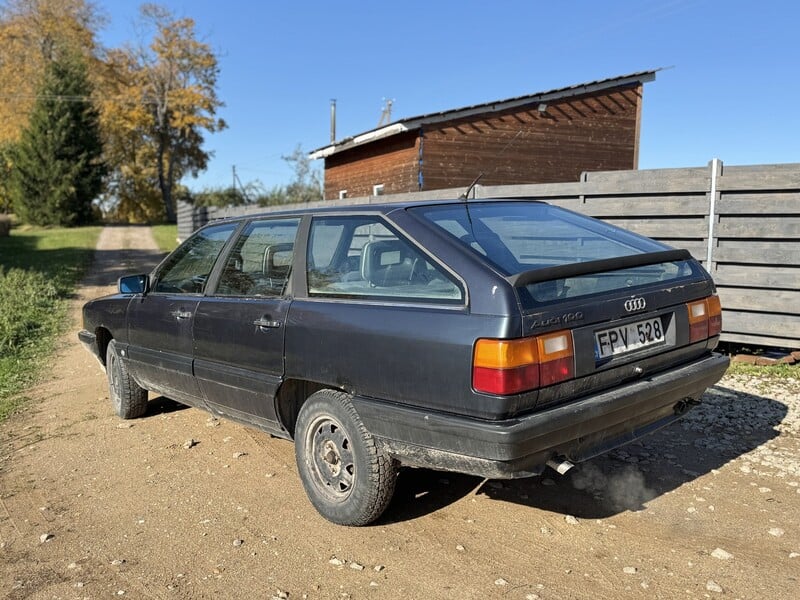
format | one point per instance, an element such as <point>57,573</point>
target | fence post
<point>715,166</point>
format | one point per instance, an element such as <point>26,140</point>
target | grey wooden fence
<point>743,223</point>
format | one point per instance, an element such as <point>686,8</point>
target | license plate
<point>627,338</point>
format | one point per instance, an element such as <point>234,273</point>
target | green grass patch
<point>166,237</point>
<point>767,372</point>
<point>39,269</point>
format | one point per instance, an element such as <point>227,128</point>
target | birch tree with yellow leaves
<point>156,100</point>
<point>163,100</point>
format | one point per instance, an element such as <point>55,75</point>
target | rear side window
<point>260,262</point>
<point>515,237</point>
<point>363,258</point>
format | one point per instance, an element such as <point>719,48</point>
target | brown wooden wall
<point>392,162</point>
<point>522,145</point>
<point>596,132</point>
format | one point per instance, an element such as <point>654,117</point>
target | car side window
<point>362,257</point>
<point>187,269</point>
<point>260,261</point>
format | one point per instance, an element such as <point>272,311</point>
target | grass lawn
<point>166,237</point>
<point>39,269</point>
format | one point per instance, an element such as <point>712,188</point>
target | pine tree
<point>58,169</point>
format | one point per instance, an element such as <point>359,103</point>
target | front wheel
<point>347,477</point>
<point>129,400</point>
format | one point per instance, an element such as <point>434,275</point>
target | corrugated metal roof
<point>412,123</point>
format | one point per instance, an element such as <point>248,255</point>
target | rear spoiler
<point>596,266</point>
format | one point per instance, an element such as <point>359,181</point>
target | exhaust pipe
<point>559,465</point>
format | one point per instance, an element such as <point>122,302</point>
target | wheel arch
<point>290,398</point>
<point>103,337</point>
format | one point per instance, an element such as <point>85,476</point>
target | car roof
<point>380,208</point>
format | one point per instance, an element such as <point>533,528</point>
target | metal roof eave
<point>476,109</point>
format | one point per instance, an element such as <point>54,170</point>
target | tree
<point>166,100</point>
<point>306,185</point>
<point>6,167</point>
<point>58,168</point>
<point>34,33</point>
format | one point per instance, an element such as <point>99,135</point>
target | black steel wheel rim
<point>330,456</point>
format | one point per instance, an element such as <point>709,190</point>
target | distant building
<point>546,137</point>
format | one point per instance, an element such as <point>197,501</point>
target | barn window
<point>342,194</point>
<point>377,189</point>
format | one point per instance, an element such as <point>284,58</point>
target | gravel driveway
<point>93,507</point>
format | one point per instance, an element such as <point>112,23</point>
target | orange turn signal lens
<point>504,354</point>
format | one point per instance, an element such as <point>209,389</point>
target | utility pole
<point>233,168</point>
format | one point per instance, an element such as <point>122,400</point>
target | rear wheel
<point>128,399</point>
<point>347,477</point>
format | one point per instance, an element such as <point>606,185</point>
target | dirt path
<point>710,507</point>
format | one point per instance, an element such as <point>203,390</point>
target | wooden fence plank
<point>761,227</point>
<point>754,323</point>
<point>770,278</point>
<point>657,206</point>
<point>760,177</point>
<point>756,252</point>
<point>665,228</point>
<point>777,301</point>
<point>761,340</point>
<point>783,203</point>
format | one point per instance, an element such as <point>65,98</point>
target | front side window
<point>259,263</point>
<point>362,257</point>
<point>186,270</point>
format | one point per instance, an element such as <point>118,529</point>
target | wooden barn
<point>546,137</point>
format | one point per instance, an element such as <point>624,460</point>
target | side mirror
<point>134,284</point>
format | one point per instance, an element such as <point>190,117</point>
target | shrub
<point>27,307</point>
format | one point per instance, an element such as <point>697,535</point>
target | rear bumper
<point>519,447</point>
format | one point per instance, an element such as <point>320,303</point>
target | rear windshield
<point>523,236</point>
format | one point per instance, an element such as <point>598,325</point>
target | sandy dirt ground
<point>94,507</point>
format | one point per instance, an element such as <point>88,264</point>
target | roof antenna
<point>472,185</point>
<point>386,115</point>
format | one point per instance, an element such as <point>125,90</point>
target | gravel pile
<point>757,418</point>
<point>754,420</point>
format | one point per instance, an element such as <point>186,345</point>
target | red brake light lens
<point>705,318</point>
<point>505,367</point>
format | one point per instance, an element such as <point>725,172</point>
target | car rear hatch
<point>600,305</point>
<point>624,318</point>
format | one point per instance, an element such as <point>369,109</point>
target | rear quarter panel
<point>417,356</point>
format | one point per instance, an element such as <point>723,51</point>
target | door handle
<point>266,323</point>
<point>182,314</point>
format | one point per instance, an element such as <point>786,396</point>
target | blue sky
<point>733,90</point>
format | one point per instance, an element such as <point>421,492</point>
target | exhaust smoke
<point>625,490</point>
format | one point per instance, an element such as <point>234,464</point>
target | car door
<point>239,328</point>
<point>160,322</point>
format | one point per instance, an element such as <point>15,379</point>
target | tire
<point>128,399</point>
<point>347,477</point>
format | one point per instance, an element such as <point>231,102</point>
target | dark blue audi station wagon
<point>489,337</point>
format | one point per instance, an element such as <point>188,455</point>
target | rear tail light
<point>505,367</point>
<point>705,318</point>
<point>556,358</point>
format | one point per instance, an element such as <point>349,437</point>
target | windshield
<point>520,236</point>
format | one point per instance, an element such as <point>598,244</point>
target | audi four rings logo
<point>633,304</point>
